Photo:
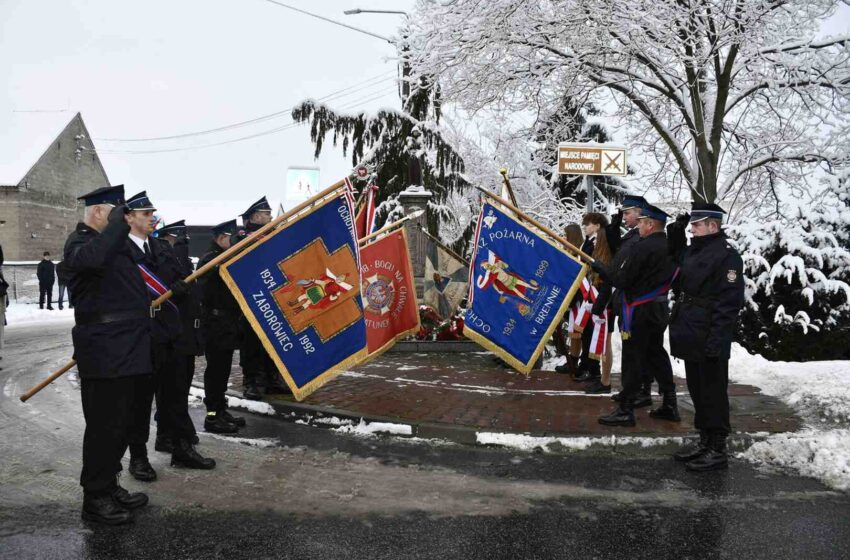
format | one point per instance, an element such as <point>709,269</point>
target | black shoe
<point>235,420</point>
<point>586,376</point>
<point>185,456</point>
<point>164,444</point>
<point>126,500</point>
<point>563,368</point>
<point>666,412</point>
<point>597,388</point>
<point>692,451</point>
<point>195,439</point>
<point>617,397</point>
<point>101,508</point>
<point>620,417</point>
<point>216,424</point>
<point>714,458</point>
<point>642,401</point>
<point>49,308</point>
<point>141,469</point>
<point>252,392</point>
<point>60,308</point>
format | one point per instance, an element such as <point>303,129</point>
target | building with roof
<point>38,194</point>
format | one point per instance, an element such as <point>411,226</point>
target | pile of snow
<point>820,393</point>
<point>196,394</point>
<point>526,442</point>
<point>29,314</point>
<point>372,428</point>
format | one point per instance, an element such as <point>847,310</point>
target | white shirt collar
<point>139,241</point>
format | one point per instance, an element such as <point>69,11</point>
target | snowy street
<point>291,490</point>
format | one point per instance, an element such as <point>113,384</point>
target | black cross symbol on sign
<point>613,163</point>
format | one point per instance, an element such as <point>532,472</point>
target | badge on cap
<point>731,276</point>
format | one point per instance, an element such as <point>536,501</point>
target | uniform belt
<point>91,318</point>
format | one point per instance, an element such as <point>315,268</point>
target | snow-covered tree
<point>722,98</point>
<point>798,279</point>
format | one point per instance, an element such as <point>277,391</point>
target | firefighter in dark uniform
<point>111,345</point>
<point>258,369</point>
<point>189,344</point>
<point>156,259</point>
<point>621,245</point>
<point>222,335</point>
<point>709,294</point>
<point>644,277</point>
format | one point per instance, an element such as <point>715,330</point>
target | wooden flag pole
<point>225,255</point>
<point>444,247</point>
<point>581,254</point>
<point>386,229</point>
<point>507,182</point>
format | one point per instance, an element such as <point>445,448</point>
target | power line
<point>359,86</point>
<point>335,22</point>
<point>276,130</point>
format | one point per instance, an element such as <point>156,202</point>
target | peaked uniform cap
<point>104,195</point>
<point>261,205</point>
<point>177,229</point>
<point>654,213</point>
<point>140,201</point>
<point>634,201</point>
<point>225,228</point>
<point>703,210</point>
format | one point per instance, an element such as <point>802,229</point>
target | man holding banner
<point>521,281</point>
<point>645,279</point>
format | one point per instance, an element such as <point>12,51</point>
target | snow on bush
<point>797,275</point>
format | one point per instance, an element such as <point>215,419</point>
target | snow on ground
<point>820,393</point>
<point>18,314</point>
<point>196,394</point>
<point>526,442</point>
<point>372,428</point>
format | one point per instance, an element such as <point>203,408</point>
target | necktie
<point>147,249</point>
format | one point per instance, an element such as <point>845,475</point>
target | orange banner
<point>389,292</point>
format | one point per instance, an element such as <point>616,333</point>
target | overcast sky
<point>165,67</point>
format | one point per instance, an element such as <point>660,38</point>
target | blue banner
<point>521,283</point>
<point>299,288</point>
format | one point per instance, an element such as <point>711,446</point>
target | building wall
<point>38,214</point>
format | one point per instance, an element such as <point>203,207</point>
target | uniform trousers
<point>216,375</point>
<point>107,408</point>
<point>163,385</point>
<point>257,366</point>
<point>173,393</point>
<point>708,383</point>
<point>644,353</point>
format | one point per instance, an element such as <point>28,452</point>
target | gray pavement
<point>293,491</point>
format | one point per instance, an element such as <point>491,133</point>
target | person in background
<point>46,273</point>
<point>571,347</point>
<point>594,225</point>
<point>62,276</point>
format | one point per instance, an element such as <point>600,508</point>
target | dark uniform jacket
<point>165,325</point>
<point>46,272</point>
<point>647,267</point>
<point>191,342</point>
<point>623,245</point>
<point>221,312</point>
<point>709,294</point>
<point>103,279</point>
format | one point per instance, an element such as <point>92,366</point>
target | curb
<point>468,435</point>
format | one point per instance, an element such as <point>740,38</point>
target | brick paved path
<point>470,390</point>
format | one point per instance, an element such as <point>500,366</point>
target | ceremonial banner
<point>364,220</point>
<point>445,282</point>
<point>389,293</point>
<point>520,285</point>
<point>299,287</point>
